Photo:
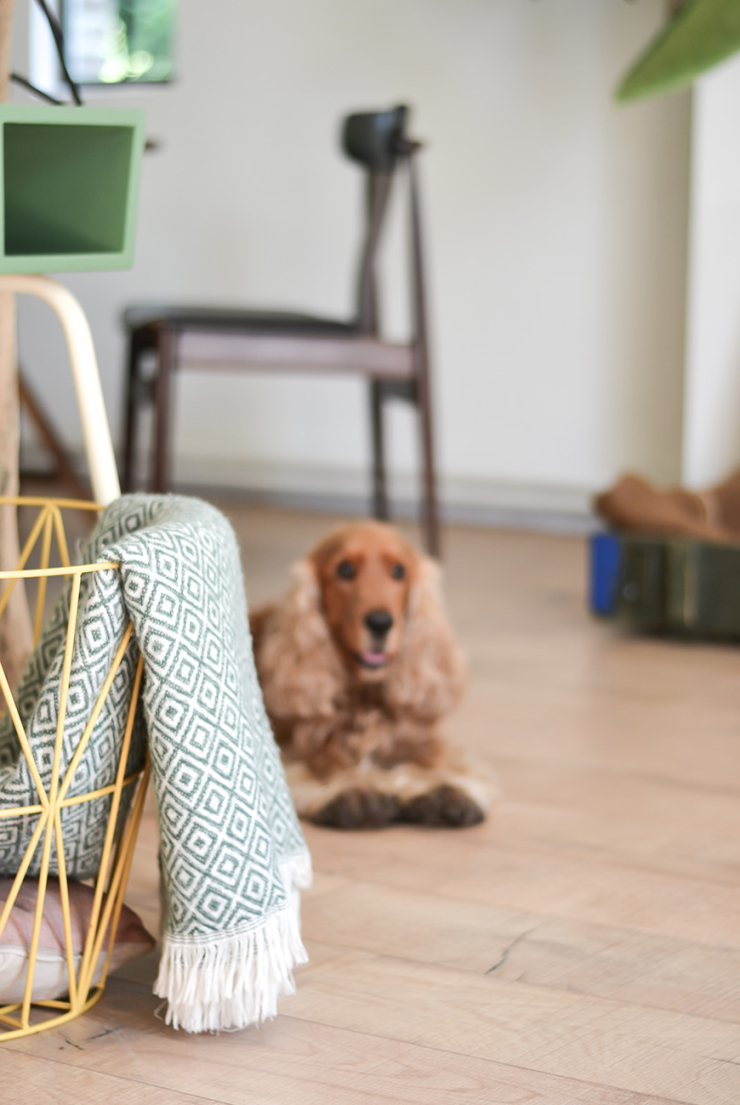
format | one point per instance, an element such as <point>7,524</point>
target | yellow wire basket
<point>86,980</point>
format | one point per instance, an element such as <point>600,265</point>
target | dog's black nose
<point>379,622</point>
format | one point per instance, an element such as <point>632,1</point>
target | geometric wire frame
<point>118,848</point>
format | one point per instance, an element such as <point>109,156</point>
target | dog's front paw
<point>446,806</point>
<point>358,809</point>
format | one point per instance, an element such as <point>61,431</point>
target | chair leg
<point>166,362</point>
<point>31,404</point>
<point>101,460</point>
<point>430,516</point>
<point>132,404</point>
<point>380,493</point>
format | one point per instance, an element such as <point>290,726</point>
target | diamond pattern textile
<point>231,854</point>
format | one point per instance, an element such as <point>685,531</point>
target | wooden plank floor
<point>582,946</point>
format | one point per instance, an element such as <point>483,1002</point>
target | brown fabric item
<point>725,498</point>
<point>634,504</point>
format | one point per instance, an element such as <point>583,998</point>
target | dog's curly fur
<point>357,664</point>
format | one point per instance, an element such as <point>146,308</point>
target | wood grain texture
<point>598,960</point>
<point>53,1081</point>
<point>290,1060</point>
<point>582,947</point>
<point>16,630</point>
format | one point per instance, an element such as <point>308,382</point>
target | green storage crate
<point>69,187</point>
<point>679,587</point>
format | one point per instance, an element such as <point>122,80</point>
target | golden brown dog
<point>357,664</point>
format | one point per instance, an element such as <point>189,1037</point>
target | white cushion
<point>50,976</point>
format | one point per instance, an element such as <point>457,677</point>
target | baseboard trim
<point>466,502</point>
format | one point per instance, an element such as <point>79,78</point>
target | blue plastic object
<point>605,566</point>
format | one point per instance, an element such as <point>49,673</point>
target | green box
<point>69,187</point>
<point>680,587</point>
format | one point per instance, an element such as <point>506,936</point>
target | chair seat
<point>144,316</point>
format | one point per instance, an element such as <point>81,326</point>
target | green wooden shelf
<point>69,187</point>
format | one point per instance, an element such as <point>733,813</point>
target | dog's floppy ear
<point>300,671</point>
<point>428,674</point>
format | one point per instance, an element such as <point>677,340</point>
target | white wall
<point>556,227</point>
<point>712,419</point>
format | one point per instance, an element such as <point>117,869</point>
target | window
<point>116,41</point>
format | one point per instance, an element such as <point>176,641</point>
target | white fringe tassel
<point>235,981</point>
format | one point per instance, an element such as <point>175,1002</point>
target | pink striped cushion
<point>50,975</point>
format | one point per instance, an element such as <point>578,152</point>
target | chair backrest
<point>377,140</point>
<point>374,138</point>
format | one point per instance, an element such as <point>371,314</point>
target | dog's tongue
<point>374,659</point>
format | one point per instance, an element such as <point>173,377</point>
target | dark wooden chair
<point>211,337</point>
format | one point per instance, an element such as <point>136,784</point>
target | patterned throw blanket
<point>232,856</point>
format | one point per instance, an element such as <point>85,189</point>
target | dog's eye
<point>346,569</point>
<point>398,571</point>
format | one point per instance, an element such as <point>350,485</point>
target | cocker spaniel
<point>357,664</point>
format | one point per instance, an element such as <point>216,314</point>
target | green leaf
<point>703,33</point>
